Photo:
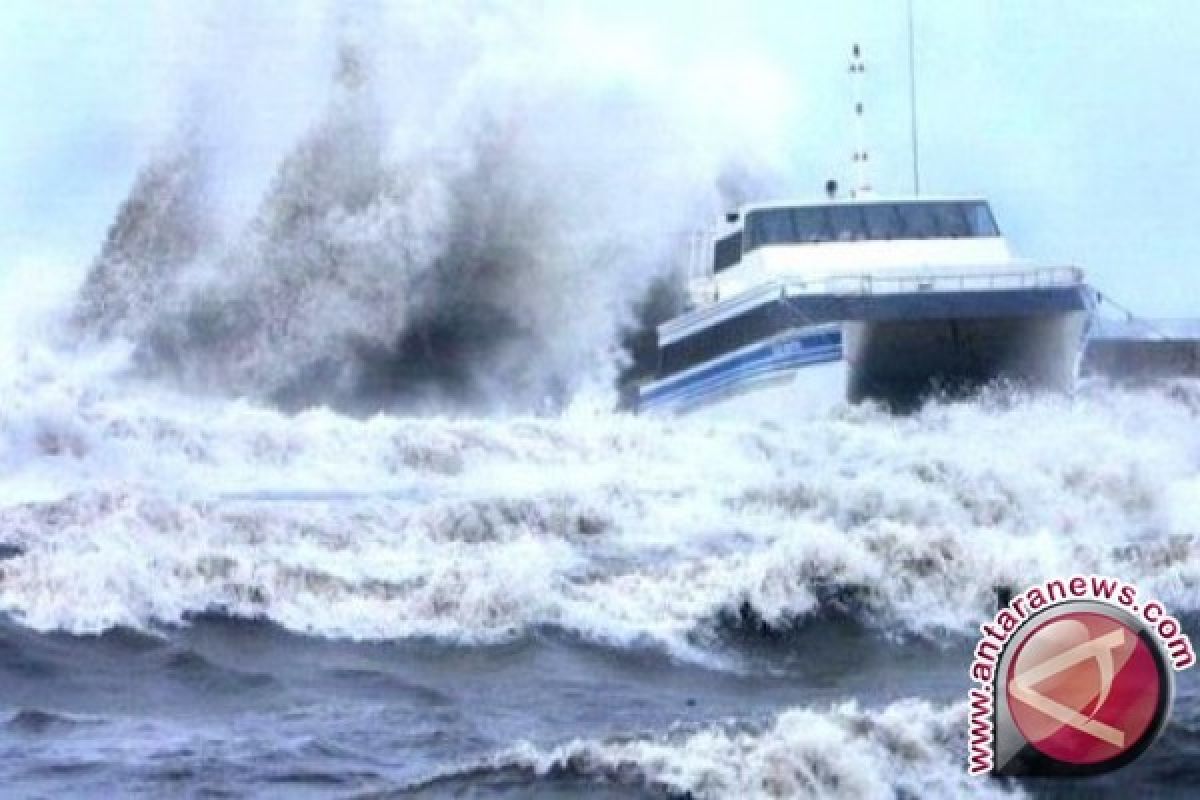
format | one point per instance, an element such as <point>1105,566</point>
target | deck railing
<point>1002,278</point>
<point>975,280</point>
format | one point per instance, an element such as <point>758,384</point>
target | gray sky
<point>1077,118</point>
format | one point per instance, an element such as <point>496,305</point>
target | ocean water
<point>207,597</point>
<point>309,485</point>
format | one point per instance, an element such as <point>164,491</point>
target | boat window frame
<point>735,239</point>
<point>931,219</point>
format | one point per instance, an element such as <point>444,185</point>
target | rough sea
<point>310,486</point>
<point>214,599</point>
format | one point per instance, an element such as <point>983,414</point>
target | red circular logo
<point>1084,688</point>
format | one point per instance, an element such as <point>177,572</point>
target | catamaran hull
<point>806,361</point>
<point>896,349</point>
<point>901,362</point>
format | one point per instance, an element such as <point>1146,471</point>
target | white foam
<point>407,170</point>
<point>908,749</point>
<point>624,530</point>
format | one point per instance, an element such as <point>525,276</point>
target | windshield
<point>874,221</point>
<point>727,251</point>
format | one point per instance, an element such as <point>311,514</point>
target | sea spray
<point>455,226</point>
<point>624,530</point>
<point>901,750</point>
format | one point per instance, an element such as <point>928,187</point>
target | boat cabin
<point>763,242</point>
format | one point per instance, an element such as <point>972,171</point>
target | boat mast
<point>912,102</point>
<point>858,70</point>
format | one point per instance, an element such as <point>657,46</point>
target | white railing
<point>1003,277</point>
<point>981,279</point>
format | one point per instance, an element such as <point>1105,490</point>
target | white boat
<point>793,305</point>
<point>864,298</point>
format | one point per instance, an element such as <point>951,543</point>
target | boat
<point>858,297</point>
<point>863,298</point>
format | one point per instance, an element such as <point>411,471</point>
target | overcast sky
<point>1078,118</point>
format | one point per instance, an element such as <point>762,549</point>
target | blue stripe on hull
<point>764,364</point>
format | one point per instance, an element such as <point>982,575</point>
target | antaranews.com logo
<point>1075,677</point>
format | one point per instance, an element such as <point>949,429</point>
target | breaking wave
<point>626,531</point>
<point>908,749</point>
<point>468,235</point>
<point>455,228</point>
<point>456,225</point>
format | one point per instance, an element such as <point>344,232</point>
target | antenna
<point>912,102</point>
<point>858,70</point>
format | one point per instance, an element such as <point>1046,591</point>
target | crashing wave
<point>627,531</point>
<point>452,230</point>
<point>908,749</point>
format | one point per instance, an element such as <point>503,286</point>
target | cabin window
<point>727,251</point>
<point>883,221</point>
<point>810,224</point>
<point>778,227</point>
<point>852,222</point>
<point>847,223</point>
<point>980,220</point>
<point>951,220</point>
<point>919,221</point>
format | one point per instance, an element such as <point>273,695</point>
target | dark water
<point>235,708</point>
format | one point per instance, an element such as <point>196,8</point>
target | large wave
<point>139,509</point>
<point>474,214</point>
<point>456,223</point>
<point>908,749</point>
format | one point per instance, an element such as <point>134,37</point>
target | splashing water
<point>623,530</point>
<point>427,212</point>
<point>455,225</point>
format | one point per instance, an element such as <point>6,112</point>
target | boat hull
<point>896,349</point>
<point>756,371</point>
<point>901,362</point>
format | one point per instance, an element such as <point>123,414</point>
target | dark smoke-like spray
<point>475,224</point>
